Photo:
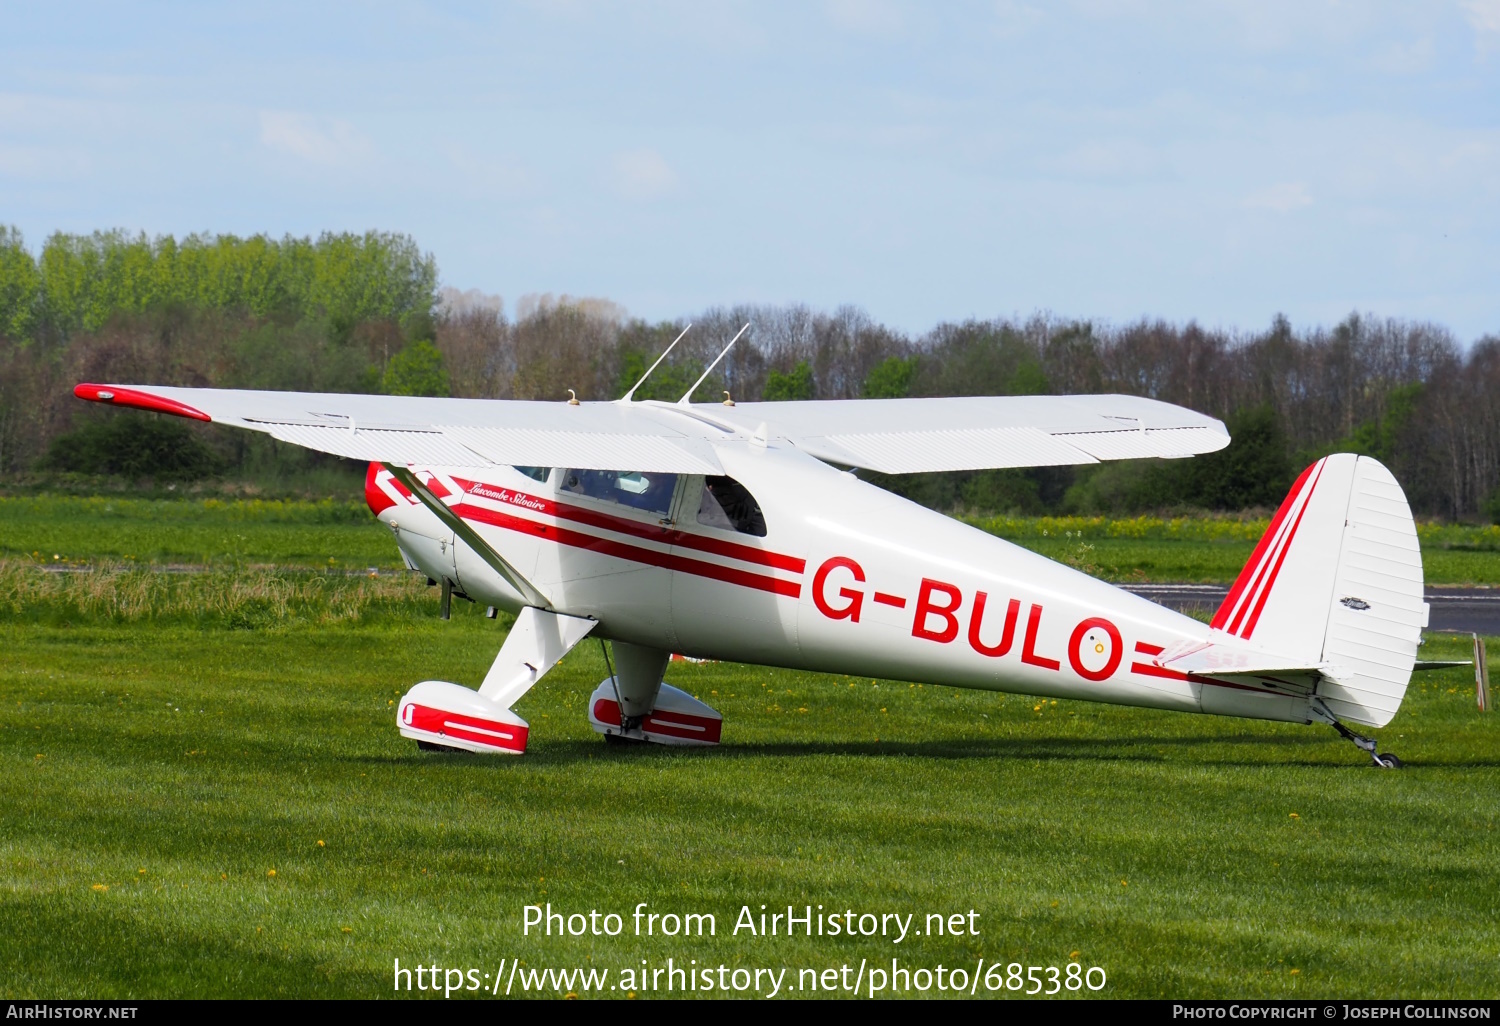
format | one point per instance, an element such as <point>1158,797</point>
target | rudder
<point>1336,580</point>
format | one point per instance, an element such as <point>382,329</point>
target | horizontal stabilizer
<point>1209,660</point>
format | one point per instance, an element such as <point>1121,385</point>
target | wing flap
<point>908,452</point>
<point>381,445</point>
<point>636,450</point>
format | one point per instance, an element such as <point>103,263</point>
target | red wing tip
<point>134,398</point>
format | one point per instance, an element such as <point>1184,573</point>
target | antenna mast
<point>628,395</point>
<point>684,400</point>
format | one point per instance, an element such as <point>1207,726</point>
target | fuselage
<point>846,578</point>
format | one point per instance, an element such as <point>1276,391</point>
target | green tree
<point>891,378</point>
<point>666,383</point>
<point>416,370</point>
<point>20,287</point>
<point>135,446</point>
<point>797,384</point>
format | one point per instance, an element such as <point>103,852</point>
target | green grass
<point>343,535</point>
<point>167,740</point>
<point>203,532</point>
<point>154,773</point>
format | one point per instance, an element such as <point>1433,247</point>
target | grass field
<point>175,748</point>
<point>342,535</point>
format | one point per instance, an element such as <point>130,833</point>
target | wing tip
<point>134,398</point>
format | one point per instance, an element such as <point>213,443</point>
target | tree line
<point>364,313</point>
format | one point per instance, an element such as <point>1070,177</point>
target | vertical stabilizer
<point>1337,581</point>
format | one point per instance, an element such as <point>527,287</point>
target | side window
<point>649,492</point>
<point>536,473</point>
<point>728,505</point>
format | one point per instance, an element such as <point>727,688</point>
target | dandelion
<point>1295,816</point>
<point>321,844</point>
<point>142,872</point>
<point>1294,972</point>
<point>1073,955</point>
<point>1124,883</point>
<point>101,887</point>
<point>270,872</point>
<point>347,929</point>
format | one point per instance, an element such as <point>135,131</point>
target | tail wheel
<point>1385,760</point>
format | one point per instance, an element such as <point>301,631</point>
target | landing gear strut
<point>1383,760</point>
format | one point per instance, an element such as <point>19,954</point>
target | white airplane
<point>729,531</point>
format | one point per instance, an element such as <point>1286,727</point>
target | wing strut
<point>628,396</point>
<point>458,526</point>
<point>689,395</point>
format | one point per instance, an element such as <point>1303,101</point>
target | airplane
<point>742,531</point>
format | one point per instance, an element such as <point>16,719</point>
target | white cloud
<point>642,174</point>
<point>1119,158</point>
<point>868,17</point>
<point>1014,19</point>
<point>1282,198</point>
<point>316,140</point>
<point>1484,15</point>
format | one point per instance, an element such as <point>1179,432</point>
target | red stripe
<point>450,724</point>
<point>622,550</point>
<point>1259,586</point>
<point>889,600</point>
<point>670,724</point>
<point>1146,648</point>
<point>1252,569</point>
<point>622,525</point>
<point>1152,670</point>
<point>1271,582</point>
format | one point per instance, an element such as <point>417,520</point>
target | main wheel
<point>1385,760</point>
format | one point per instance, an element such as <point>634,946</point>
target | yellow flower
<point>1073,955</point>
<point>1295,972</point>
<point>270,872</point>
<point>101,887</point>
<point>1295,816</point>
<point>347,929</point>
<point>321,845</point>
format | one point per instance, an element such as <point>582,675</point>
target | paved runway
<point>1453,609</point>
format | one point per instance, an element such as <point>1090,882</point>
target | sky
<point>1210,161</point>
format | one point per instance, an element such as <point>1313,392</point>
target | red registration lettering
<point>1075,648</point>
<point>1028,648</point>
<point>926,608</point>
<point>854,600</point>
<point>1012,611</point>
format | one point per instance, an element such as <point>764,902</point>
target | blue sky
<point>1210,161</point>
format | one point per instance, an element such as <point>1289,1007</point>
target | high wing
<point>893,436</point>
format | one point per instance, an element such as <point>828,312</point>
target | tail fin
<point>1337,581</point>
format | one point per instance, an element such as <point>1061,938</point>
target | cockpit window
<point>536,473</point>
<point>728,505</point>
<point>650,492</point>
